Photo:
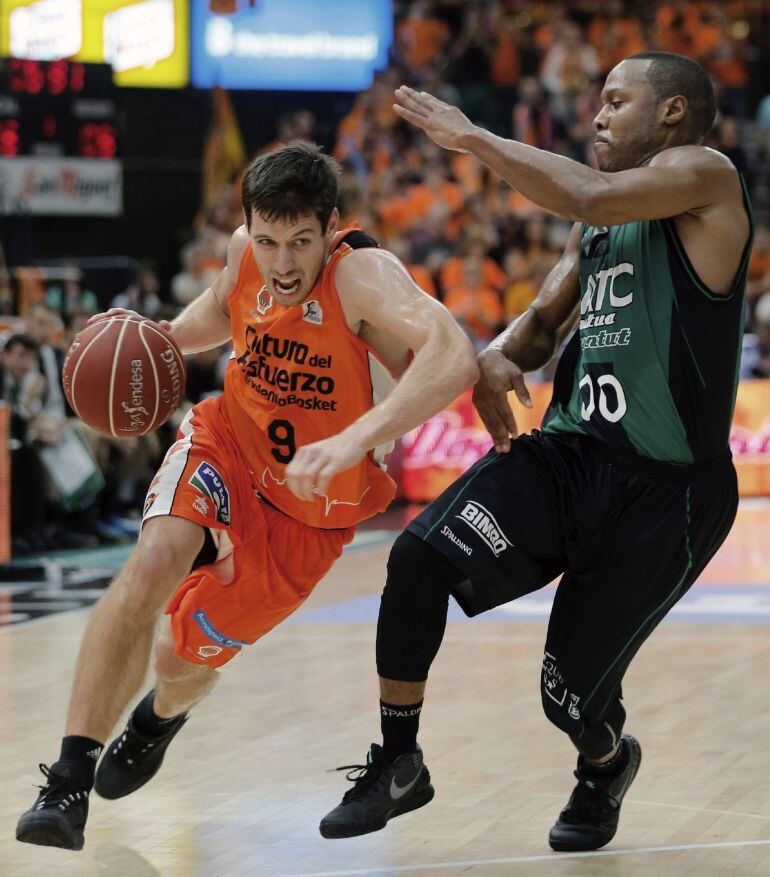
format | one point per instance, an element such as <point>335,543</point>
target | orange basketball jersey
<point>299,375</point>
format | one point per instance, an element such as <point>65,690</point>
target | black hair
<point>290,182</point>
<point>21,339</point>
<point>670,74</point>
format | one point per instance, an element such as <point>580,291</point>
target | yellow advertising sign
<point>145,41</point>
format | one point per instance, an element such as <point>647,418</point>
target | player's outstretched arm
<point>675,181</point>
<point>205,322</point>
<point>527,344</point>
<point>384,305</point>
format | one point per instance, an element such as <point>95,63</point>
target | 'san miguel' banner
<point>437,452</point>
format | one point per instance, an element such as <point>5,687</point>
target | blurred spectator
<point>475,304</point>
<point>727,139</point>
<point>759,266</point>
<point>471,70</point>
<point>205,375</point>
<point>568,66</point>
<point>456,271</point>
<point>142,295</point>
<point>422,277</point>
<point>69,295</point>
<point>23,389</point>
<point>521,289</point>
<point>533,121</point>
<point>755,362</point>
<point>45,326</point>
<point>420,36</point>
<point>615,34</point>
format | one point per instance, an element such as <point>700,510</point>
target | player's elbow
<point>596,205</point>
<point>462,367</point>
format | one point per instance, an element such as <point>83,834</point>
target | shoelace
<point>128,751</point>
<point>588,801</point>
<point>55,783</point>
<point>363,777</point>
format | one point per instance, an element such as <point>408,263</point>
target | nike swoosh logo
<point>397,791</point>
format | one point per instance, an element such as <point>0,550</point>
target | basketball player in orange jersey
<point>265,483</point>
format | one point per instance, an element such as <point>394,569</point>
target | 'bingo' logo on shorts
<point>213,634</point>
<point>209,482</point>
<point>483,522</point>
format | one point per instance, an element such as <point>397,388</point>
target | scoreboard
<point>57,109</point>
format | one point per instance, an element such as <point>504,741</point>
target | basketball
<point>123,376</point>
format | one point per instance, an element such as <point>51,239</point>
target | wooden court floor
<point>245,784</point>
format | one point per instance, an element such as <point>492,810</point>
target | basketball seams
<point>180,359</point>
<point>155,375</point>
<point>104,382</point>
<point>115,356</point>
<point>80,360</point>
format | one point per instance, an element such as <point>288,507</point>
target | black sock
<point>148,722</point>
<point>78,758</point>
<point>399,728</point>
<point>610,768</point>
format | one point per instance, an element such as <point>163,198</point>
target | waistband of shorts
<point>720,465</point>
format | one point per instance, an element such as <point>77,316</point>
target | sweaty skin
<point>382,305</point>
<point>650,168</point>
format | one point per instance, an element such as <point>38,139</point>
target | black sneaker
<point>590,819</point>
<point>58,817</point>
<point>132,760</point>
<point>381,791</point>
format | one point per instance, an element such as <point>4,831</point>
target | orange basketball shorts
<point>267,563</point>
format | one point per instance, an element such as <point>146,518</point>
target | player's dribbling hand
<point>444,124</point>
<point>498,375</point>
<point>119,312</point>
<point>315,465</point>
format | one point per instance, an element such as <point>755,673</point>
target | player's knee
<point>169,667</point>
<point>557,712</point>
<point>154,571</point>
<point>418,575</point>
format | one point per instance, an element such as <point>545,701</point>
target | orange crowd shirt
<point>298,375</point>
<point>478,306</point>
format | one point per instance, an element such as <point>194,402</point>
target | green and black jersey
<point>653,368</point>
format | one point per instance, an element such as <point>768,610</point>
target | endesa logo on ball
<point>209,482</point>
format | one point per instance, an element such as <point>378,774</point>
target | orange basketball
<point>124,376</point>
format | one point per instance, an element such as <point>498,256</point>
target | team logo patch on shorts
<point>483,522</point>
<point>200,505</point>
<point>209,651</point>
<point>213,634</point>
<point>151,497</point>
<point>209,482</point>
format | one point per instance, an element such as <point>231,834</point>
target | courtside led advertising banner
<point>145,41</point>
<point>440,450</point>
<point>309,45</point>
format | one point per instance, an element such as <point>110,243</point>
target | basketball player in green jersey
<point>629,489</point>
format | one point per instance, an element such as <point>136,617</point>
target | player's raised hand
<point>444,124</point>
<point>314,466</point>
<point>498,376</point>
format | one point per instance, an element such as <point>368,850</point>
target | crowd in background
<point>528,70</point>
<point>531,71</point>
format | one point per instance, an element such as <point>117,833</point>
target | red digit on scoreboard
<point>9,137</point>
<point>77,77</point>
<point>33,77</point>
<point>57,77</point>
<point>98,140</point>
